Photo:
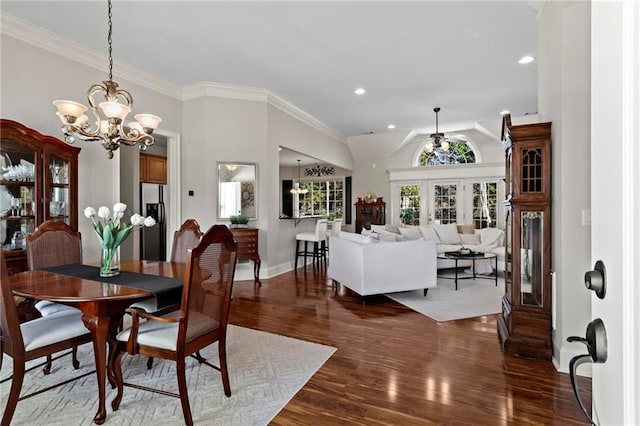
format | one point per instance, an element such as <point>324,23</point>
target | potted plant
<point>407,216</point>
<point>239,221</point>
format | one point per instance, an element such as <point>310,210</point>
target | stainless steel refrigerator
<point>153,240</point>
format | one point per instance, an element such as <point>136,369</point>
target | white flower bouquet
<point>111,231</point>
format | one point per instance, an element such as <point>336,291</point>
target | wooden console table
<point>247,239</point>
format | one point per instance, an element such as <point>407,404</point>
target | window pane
<point>485,201</point>
<point>324,198</point>
<point>444,203</point>
<point>410,204</point>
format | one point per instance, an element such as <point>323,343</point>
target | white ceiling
<point>409,56</point>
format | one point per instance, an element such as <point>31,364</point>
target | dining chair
<point>33,339</point>
<point>319,240</point>
<point>200,321</point>
<point>53,243</point>
<point>186,237</point>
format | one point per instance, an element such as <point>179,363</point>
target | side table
<point>247,239</point>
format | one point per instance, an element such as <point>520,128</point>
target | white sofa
<point>449,237</point>
<point>370,267</point>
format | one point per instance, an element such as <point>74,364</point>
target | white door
<point>615,205</point>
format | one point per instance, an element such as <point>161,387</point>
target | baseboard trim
<point>565,353</point>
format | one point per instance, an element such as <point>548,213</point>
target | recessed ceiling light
<point>504,112</point>
<point>391,126</point>
<point>359,91</point>
<point>526,59</point>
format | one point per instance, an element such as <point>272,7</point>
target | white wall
<point>286,131</point>
<point>564,99</point>
<point>32,78</point>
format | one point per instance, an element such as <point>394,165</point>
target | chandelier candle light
<point>109,126</point>
<point>112,231</point>
<point>297,189</point>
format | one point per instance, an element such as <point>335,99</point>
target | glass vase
<point>110,262</point>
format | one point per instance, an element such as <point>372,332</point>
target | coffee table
<point>473,257</point>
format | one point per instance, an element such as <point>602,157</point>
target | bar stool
<point>319,240</point>
<point>336,227</point>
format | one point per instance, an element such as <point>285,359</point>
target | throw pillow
<point>491,236</point>
<point>448,234</point>
<point>369,233</point>
<point>428,233</point>
<point>392,228</point>
<point>362,239</point>
<point>469,239</point>
<point>411,233</point>
<point>466,229</point>
<point>387,237</point>
<point>377,228</point>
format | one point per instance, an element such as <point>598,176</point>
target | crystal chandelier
<point>297,189</point>
<point>109,129</point>
<point>437,139</point>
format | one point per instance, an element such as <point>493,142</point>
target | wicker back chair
<point>53,243</point>
<point>33,339</point>
<point>186,237</point>
<point>201,320</point>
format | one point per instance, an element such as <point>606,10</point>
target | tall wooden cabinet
<point>525,323</point>
<point>38,181</point>
<point>369,212</point>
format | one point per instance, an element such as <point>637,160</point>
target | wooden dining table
<point>102,304</point>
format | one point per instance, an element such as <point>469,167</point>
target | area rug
<point>266,371</point>
<point>473,298</point>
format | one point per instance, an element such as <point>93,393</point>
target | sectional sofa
<point>370,267</point>
<point>449,237</point>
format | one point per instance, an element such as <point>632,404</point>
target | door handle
<point>596,342</point>
<point>596,280</point>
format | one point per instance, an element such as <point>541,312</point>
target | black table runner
<point>167,290</point>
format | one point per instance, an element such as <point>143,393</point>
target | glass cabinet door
<point>531,266</point>
<point>18,193</point>
<point>59,197</point>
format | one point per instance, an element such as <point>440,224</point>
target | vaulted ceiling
<point>408,56</point>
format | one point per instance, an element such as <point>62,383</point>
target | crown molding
<point>232,91</point>
<point>223,90</point>
<point>25,31</point>
<point>287,107</point>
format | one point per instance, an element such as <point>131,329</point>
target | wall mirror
<point>237,190</point>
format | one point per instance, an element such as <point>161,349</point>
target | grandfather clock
<point>525,323</point>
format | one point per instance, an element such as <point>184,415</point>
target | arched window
<point>459,152</point>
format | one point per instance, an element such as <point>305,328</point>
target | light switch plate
<point>586,217</point>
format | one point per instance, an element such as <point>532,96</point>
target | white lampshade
<point>134,125</point>
<point>114,110</point>
<point>70,108</point>
<point>429,147</point>
<point>444,145</point>
<point>148,121</point>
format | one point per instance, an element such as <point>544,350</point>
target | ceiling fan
<point>437,139</point>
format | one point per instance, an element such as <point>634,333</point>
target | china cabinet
<point>38,181</point>
<point>525,323</point>
<point>369,212</point>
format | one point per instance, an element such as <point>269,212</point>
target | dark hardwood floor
<point>394,366</point>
